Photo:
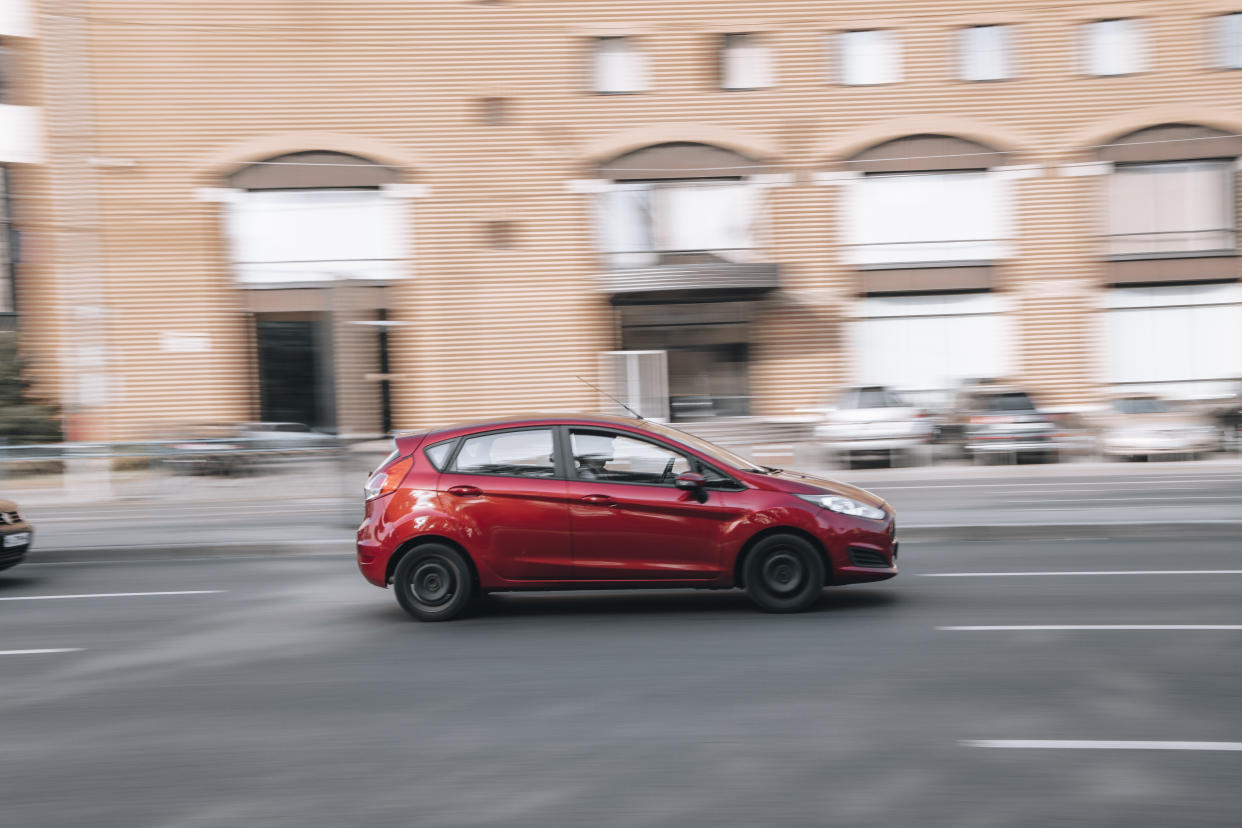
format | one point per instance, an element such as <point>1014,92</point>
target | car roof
<point>445,432</point>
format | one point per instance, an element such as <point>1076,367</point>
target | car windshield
<point>874,397</point>
<point>1007,401</point>
<point>712,450</point>
<point>1141,405</point>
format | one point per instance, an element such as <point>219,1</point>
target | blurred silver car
<point>995,420</point>
<point>1142,425</point>
<point>873,422</point>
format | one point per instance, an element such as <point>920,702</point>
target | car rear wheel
<point>433,582</point>
<point>784,573</point>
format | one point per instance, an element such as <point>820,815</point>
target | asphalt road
<point>287,692</point>
<point>315,509</point>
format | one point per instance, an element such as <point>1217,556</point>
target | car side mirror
<point>694,483</point>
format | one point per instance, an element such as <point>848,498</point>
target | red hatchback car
<point>600,502</point>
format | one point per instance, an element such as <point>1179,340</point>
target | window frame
<point>1010,63</point>
<point>839,56</point>
<point>754,39</point>
<point>558,465</point>
<point>1139,60</point>
<point>593,59</point>
<point>1219,44</point>
<point>729,484</point>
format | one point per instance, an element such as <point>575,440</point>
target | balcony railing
<point>655,258</point>
<point>1170,243</point>
<point>916,253</point>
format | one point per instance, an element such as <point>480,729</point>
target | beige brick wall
<point>188,91</point>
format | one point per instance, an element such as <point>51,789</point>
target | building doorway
<point>291,371</point>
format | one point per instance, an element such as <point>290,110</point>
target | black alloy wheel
<point>434,582</point>
<point>784,573</point>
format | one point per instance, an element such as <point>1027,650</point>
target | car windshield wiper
<point>772,470</point>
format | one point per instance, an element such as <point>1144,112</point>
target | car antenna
<point>614,399</point>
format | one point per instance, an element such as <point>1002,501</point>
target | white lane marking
<point>40,652</point>
<point>1082,572</point>
<point>112,595</point>
<point>1086,499</point>
<point>883,487</point>
<point>1059,627</point>
<point>1094,744</point>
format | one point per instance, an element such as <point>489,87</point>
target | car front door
<point>509,501</point>
<point>629,521</point>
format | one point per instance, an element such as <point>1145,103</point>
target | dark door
<point>289,372</point>
<point>630,522</point>
<point>504,491</point>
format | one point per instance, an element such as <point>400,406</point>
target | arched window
<point>315,217</point>
<point>1171,193</point>
<point>677,203</point>
<point>926,200</point>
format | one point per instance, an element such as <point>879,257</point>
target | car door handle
<point>465,491</point>
<point>599,500</point>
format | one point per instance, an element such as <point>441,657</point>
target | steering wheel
<point>667,474</point>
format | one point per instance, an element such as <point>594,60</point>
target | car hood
<point>799,483</point>
<point>7,505</point>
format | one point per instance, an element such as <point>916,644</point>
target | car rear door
<point>629,521</point>
<point>508,497</point>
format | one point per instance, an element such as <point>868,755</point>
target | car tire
<point>784,573</point>
<point>434,582</point>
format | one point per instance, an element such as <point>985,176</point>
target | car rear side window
<point>526,453</point>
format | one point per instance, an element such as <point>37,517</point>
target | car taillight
<point>388,478</point>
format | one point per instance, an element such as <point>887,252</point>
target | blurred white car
<point>1144,426</point>
<point>872,422</point>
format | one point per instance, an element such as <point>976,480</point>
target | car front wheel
<point>433,582</point>
<point>784,573</point>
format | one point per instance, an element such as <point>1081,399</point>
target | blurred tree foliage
<point>22,418</point>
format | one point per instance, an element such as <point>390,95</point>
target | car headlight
<point>844,506</point>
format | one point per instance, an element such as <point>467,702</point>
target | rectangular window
<point>648,223</point>
<point>1170,208</point>
<point>7,290</point>
<point>744,62</point>
<point>919,218</point>
<point>984,53</point>
<point>618,66</point>
<point>1229,41</point>
<point>1114,47</point>
<point>493,111</point>
<point>525,453</point>
<point>868,57</point>
<point>316,235</point>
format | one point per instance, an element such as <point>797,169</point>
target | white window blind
<point>929,343</point>
<point>745,62</point>
<point>618,65</point>
<point>868,57</point>
<point>927,217</point>
<point>985,53</point>
<point>1175,207</point>
<point>1174,334</point>
<point>316,235</point>
<point>1114,47</point>
<point>1229,41</point>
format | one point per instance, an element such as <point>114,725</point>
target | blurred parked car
<point>1143,426</point>
<point>285,437</point>
<point>995,420</point>
<point>872,422</point>
<point>243,447</point>
<point>15,535</point>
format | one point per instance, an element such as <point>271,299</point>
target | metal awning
<point>705,282</point>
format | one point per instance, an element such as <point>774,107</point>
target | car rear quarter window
<point>438,453</point>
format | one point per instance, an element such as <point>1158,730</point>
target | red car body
<point>562,531</point>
